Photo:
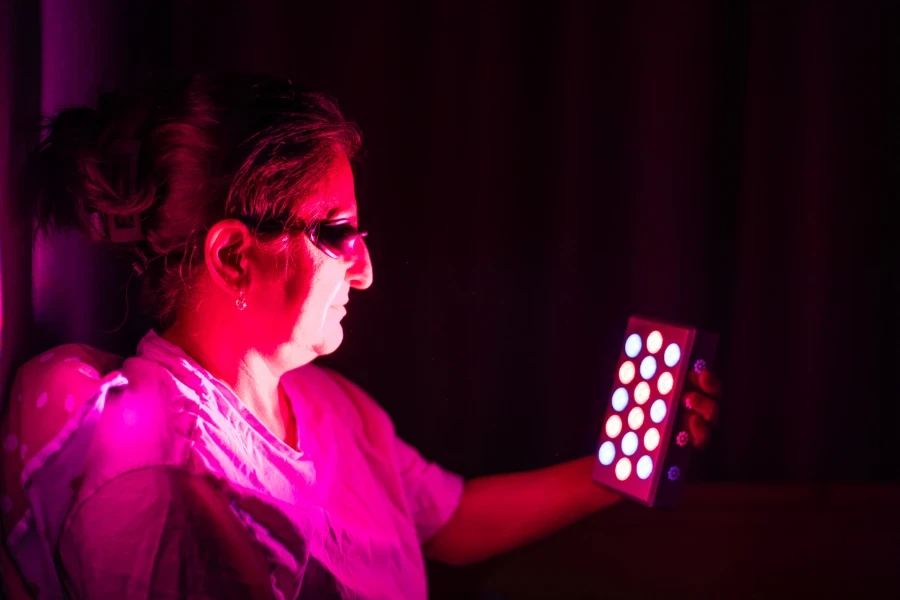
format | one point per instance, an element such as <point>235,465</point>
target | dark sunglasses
<point>338,238</point>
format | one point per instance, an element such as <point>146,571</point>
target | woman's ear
<point>226,248</point>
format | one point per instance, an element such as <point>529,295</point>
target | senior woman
<point>225,463</point>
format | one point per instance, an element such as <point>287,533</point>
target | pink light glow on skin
<point>295,302</point>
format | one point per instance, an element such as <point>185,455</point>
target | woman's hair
<point>151,173</point>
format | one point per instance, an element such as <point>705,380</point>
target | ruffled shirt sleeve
<point>54,406</point>
<point>433,492</point>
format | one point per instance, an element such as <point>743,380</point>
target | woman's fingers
<point>703,405</point>
<point>707,382</point>
<point>702,409</point>
<point>698,429</point>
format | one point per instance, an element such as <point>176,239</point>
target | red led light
<point>641,438</point>
<point>613,426</point>
<point>651,439</point>
<point>626,372</point>
<point>665,383</point>
<point>654,342</point>
<point>636,418</point>
<point>642,392</point>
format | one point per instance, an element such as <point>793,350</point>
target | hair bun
<point>153,170</point>
<point>84,174</point>
<point>55,188</point>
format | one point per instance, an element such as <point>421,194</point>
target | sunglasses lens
<point>339,238</point>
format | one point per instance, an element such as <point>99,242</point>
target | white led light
<point>620,399</point>
<point>672,355</point>
<point>633,345</point>
<point>648,367</point>
<point>607,453</point>
<point>635,418</point>
<point>613,426</point>
<point>651,439</point>
<point>642,392</point>
<point>629,443</point>
<point>658,411</point>
<point>654,342</point>
<point>665,383</point>
<point>623,469</point>
<point>644,467</point>
<point>626,372</point>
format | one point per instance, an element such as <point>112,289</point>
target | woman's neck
<point>253,377</point>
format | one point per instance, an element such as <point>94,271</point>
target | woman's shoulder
<point>143,423</point>
<point>326,386</point>
<point>77,418</point>
<point>57,383</point>
<point>52,392</point>
<point>106,414</point>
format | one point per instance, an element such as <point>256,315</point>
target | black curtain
<point>534,173</point>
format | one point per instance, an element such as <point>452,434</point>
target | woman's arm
<point>502,512</point>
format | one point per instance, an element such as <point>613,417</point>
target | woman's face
<point>300,304</point>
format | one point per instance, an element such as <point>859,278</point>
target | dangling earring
<point>241,302</point>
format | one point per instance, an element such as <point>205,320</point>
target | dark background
<point>533,174</point>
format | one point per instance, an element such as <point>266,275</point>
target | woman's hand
<point>701,402</point>
<point>502,512</point>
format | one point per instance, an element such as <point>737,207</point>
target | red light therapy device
<point>644,446</point>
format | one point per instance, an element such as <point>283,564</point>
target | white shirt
<point>345,516</point>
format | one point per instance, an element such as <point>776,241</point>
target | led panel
<point>639,447</point>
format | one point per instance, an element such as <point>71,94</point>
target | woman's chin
<point>331,341</point>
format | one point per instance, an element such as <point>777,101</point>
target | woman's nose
<point>359,273</point>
